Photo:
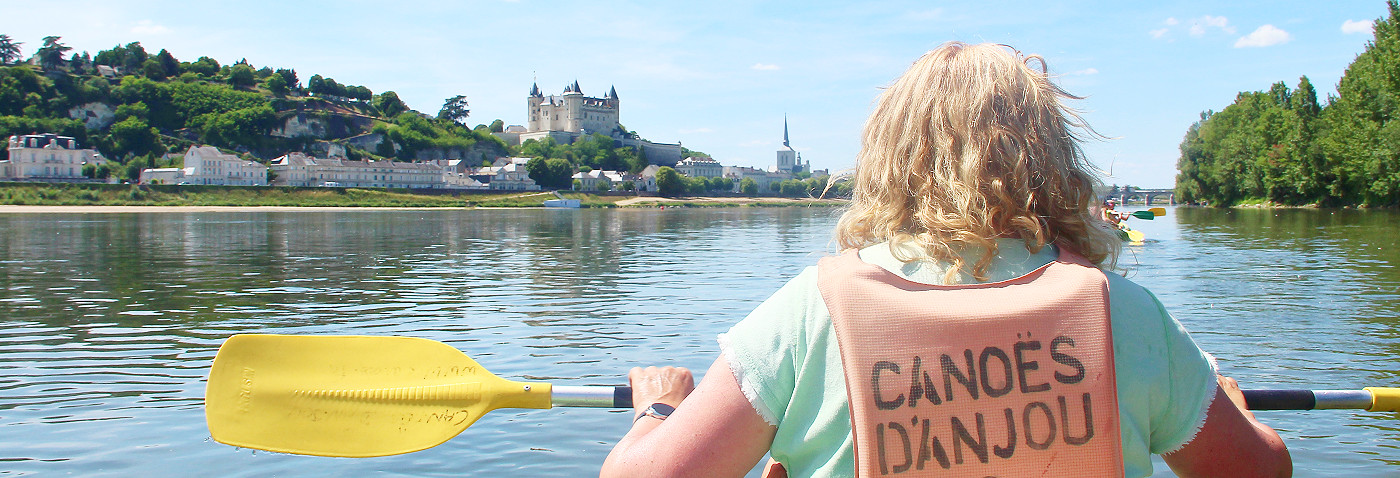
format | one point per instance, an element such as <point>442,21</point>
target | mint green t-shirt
<point>786,359</point>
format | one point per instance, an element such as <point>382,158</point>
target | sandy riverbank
<point>727,201</point>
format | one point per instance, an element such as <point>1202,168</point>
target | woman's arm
<point>714,432</point>
<point>1231,443</point>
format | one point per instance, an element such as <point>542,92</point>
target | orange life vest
<point>1011,378</point>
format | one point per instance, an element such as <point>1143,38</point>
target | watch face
<point>662,409</point>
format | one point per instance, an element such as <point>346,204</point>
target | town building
<point>163,176</point>
<point>571,115</point>
<point>764,178</point>
<point>458,174</point>
<point>509,174</point>
<point>298,169</point>
<point>600,180</point>
<point>47,157</point>
<point>700,167</point>
<point>208,165</point>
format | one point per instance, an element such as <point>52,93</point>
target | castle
<point>571,115</point>
<point>572,112</point>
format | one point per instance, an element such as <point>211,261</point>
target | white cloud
<point>1085,72</point>
<point>1158,32</point>
<point>1170,21</point>
<point>1362,26</point>
<point>147,27</point>
<point>1201,25</point>
<point>764,67</point>
<point>1267,35</point>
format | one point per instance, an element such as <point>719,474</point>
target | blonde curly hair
<point>970,145</point>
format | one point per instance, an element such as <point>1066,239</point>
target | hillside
<point>135,107</point>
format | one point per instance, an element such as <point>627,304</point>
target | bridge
<point>1145,196</point>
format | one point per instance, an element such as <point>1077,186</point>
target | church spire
<point>785,132</point>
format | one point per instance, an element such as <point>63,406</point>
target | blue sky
<point>719,76</point>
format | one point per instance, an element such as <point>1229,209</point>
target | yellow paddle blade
<point>351,396</point>
<point>1158,211</point>
<point>1135,237</point>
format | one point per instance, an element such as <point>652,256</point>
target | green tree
<point>389,104</point>
<point>9,50</point>
<point>550,173</point>
<point>669,182</point>
<point>132,136</point>
<point>277,84</point>
<point>241,76</point>
<point>748,187</point>
<point>153,69</point>
<point>316,84</point>
<point>168,63</point>
<point>205,66</point>
<point>51,54</point>
<point>289,78</point>
<point>498,126</point>
<point>455,109</point>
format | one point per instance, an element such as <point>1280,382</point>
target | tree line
<point>1282,146</point>
<point>160,105</point>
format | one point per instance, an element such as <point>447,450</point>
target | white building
<point>765,179</point>
<point>297,169</point>
<point>700,167</point>
<point>509,174</point>
<point>457,174</point>
<point>596,179</point>
<point>163,176</point>
<point>47,157</point>
<point>208,165</point>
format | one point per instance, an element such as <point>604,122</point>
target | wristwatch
<point>657,410</point>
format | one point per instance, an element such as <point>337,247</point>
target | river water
<point>108,322</point>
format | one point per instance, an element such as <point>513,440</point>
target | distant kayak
<point>1131,236</point>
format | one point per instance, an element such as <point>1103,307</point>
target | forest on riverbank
<point>1282,146</point>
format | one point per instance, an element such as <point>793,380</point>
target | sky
<point>721,76</point>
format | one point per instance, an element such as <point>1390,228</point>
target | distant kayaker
<point>1109,214</point>
<point>965,329</point>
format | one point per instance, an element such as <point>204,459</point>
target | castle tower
<point>787,157</point>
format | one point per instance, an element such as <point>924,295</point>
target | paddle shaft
<point>591,396</point>
<point>1372,399</point>
<point>621,397</point>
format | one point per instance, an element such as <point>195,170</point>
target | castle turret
<point>535,90</point>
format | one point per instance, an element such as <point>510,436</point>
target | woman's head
<point>971,144</point>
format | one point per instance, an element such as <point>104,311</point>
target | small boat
<point>563,203</point>
<point>1131,236</point>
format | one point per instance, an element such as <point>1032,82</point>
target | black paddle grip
<point>622,397</point>
<point>1279,399</point>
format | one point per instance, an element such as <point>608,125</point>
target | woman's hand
<point>668,385</point>
<point>716,432</point>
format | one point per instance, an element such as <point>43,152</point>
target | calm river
<point>108,322</point>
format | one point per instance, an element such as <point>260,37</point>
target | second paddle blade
<point>351,396</point>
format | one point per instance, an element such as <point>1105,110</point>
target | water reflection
<point>108,321</point>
